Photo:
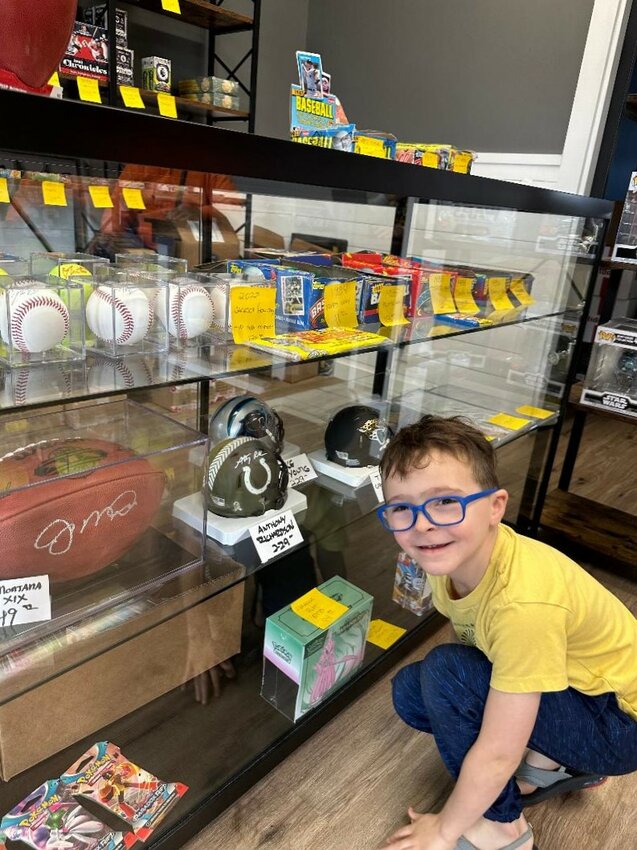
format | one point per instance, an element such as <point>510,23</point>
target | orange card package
<point>105,775</point>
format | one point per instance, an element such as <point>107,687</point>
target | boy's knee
<point>407,695</point>
<point>449,663</point>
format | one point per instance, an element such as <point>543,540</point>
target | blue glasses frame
<point>422,509</point>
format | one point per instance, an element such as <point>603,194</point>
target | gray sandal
<point>552,782</point>
<point>465,844</point>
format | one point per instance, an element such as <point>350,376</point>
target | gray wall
<point>489,75</point>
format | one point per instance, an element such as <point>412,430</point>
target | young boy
<point>547,658</point>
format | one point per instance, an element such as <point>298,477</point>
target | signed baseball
<point>33,320</point>
<point>190,310</point>
<point>119,314</point>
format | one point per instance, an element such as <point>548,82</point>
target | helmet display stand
<point>353,476</point>
<point>230,530</point>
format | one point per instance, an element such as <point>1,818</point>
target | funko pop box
<point>304,664</point>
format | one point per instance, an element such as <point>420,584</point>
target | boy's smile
<point>461,551</point>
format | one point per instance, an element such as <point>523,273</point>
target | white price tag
<point>275,536</point>
<point>374,477</point>
<point>24,600</point>
<point>300,469</point>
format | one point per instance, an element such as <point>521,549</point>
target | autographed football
<point>70,507</point>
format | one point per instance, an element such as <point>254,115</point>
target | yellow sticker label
<point>535,412</point>
<point>54,79</point>
<point>2,272</point>
<point>496,287</point>
<point>511,423</point>
<point>89,90</point>
<point>384,634</point>
<point>171,6</point>
<point>441,330</point>
<point>391,309</point>
<point>340,305</point>
<point>4,191</point>
<point>101,197</point>
<point>67,270</point>
<point>252,312</point>
<point>133,198</point>
<point>241,359</point>
<point>370,147</point>
<point>519,290</point>
<point>463,296</point>
<point>319,609</point>
<point>167,105</point>
<point>53,194</point>
<point>440,292</point>
<point>131,97</point>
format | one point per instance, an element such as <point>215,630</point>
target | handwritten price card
<point>275,536</point>
<point>498,294</point>
<point>101,197</point>
<point>440,292</point>
<point>133,198</point>
<point>300,470</point>
<point>319,609</point>
<point>252,312</point>
<point>519,290</point>
<point>24,600</point>
<point>535,412</point>
<point>53,193</point>
<point>391,305</point>
<point>384,634</point>
<point>4,191</point>
<point>340,305</point>
<point>463,295</point>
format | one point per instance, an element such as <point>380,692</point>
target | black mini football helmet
<point>356,436</point>
<point>246,416</point>
<point>245,478</point>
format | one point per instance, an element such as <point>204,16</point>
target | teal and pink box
<point>304,664</point>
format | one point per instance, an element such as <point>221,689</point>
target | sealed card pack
<point>338,138</point>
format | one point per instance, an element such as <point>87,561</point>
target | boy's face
<point>460,551</point>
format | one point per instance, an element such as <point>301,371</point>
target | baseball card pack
<point>105,775</point>
<point>338,138</point>
<point>372,143</point>
<point>311,113</point>
<point>411,588</point>
<point>300,303</point>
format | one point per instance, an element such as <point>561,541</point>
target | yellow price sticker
<point>4,191</point>
<point>318,609</point>
<point>369,146</point>
<point>101,197</point>
<point>340,305</point>
<point>391,304</point>
<point>496,287</point>
<point>242,359</point>
<point>252,312</point>
<point>384,634</point>
<point>133,198</point>
<point>519,290</point>
<point>132,97</point>
<point>463,296</point>
<point>440,292</point>
<point>54,80</point>
<point>89,90</point>
<point>167,105</point>
<point>53,194</point>
<point>171,6</point>
<point>511,423</point>
<point>535,412</point>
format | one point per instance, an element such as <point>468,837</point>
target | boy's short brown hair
<point>413,445</point>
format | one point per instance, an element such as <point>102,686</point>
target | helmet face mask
<point>245,478</point>
<point>247,416</point>
<point>356,436</point>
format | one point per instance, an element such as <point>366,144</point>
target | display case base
<point>352,476</point>
<point>229,530</point>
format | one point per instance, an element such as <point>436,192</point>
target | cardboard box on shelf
<point>291,373</point>
<point>46,719</point>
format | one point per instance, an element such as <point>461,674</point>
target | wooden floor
<point>350,785</point>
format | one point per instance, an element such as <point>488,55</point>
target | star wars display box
<point>306,658</point>
<point>611,380</point>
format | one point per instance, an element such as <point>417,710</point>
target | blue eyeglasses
<point>440,510</point>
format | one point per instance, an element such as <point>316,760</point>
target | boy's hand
<point>423,833</point>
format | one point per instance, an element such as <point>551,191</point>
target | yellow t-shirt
<point>545,624</point>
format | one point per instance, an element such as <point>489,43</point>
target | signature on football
<point>58,536</point>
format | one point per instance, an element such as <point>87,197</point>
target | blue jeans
<point>445,695</point>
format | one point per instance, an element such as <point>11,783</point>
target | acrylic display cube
<point>149,262</point>
<point>196,312</point>
<point>37,321</point>
<point>13,265</point>
<point>304,664</point>
<point>611,380</point>
<point>123,312</point>
<point>65,265</point>
<point>87,497</point>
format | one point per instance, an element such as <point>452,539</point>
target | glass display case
<point>447,298</point>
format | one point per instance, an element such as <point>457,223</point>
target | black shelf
<point>201,13</point>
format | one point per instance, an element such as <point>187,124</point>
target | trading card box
<point>411,587</point>
<point>156,73</point>
<point>611,379</point>
<point>372,143</point>
<point>323,276</point>
<point>337,138</point>
<point>98,15</point>
<point>87,52</point>
<point>311,113</point>
<point>315,258</point>
<point>304,664</point>
<point>261,268</point>
<point>300,302</point>
<point>371,288</point>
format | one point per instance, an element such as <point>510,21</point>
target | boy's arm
<point>507,725</point>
